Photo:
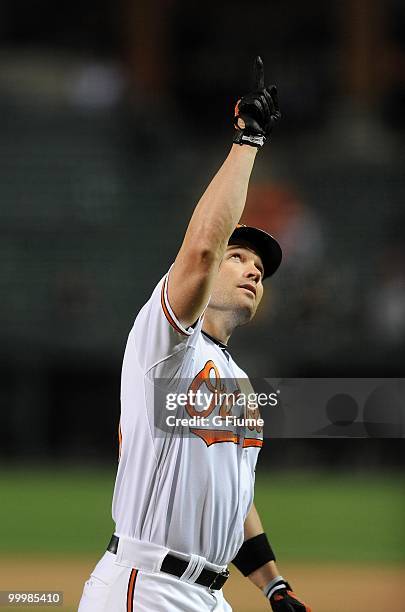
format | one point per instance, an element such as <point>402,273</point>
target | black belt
<point>175,566</point>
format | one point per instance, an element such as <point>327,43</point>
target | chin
<point>245,314</point>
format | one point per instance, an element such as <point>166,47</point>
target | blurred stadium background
<point>113,118</point>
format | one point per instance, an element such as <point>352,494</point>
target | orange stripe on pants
<point>130,591</point>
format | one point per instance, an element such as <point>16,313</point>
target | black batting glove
<point>257,112</point>
<point>283,599</point>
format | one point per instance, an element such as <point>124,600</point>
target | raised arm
<point>220,208</point>
<point>212,223</point>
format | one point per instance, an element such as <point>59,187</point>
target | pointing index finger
<point>258,73</point>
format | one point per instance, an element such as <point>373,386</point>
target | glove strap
<point>275,585</point>
<point>241,138</point>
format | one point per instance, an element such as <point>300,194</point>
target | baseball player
<point>183,499</point>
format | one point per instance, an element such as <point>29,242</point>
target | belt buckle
<point>219,580</point>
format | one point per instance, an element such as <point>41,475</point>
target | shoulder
<point>157,335</point>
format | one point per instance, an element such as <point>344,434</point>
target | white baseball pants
<point>131,581</point>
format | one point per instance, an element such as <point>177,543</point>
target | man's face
<point>238,287</point>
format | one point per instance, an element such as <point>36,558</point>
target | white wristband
<point>277,583</point>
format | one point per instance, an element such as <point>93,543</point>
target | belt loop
<point>190,568</point>
<point>193,569</point>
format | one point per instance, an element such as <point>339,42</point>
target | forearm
<point>221,206</point>
<point>264,574</point>
<point>255,560</point>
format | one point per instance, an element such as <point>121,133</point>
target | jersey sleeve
<point>157,333</point>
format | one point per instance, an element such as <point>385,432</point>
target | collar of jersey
<point>221,345</point>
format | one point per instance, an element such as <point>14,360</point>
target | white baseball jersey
<point>190,493</point>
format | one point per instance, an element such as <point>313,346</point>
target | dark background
<point>113,118</point>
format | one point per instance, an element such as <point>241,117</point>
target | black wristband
<point>241,138</point>
<point>254,553</point>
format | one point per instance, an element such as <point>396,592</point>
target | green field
<point>334,518</point>
<point>318,517</point>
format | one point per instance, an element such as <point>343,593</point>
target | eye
<point>236,256</point>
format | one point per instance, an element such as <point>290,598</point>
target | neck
<point>218,325</point>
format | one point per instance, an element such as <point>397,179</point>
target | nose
<point>253,273</point>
